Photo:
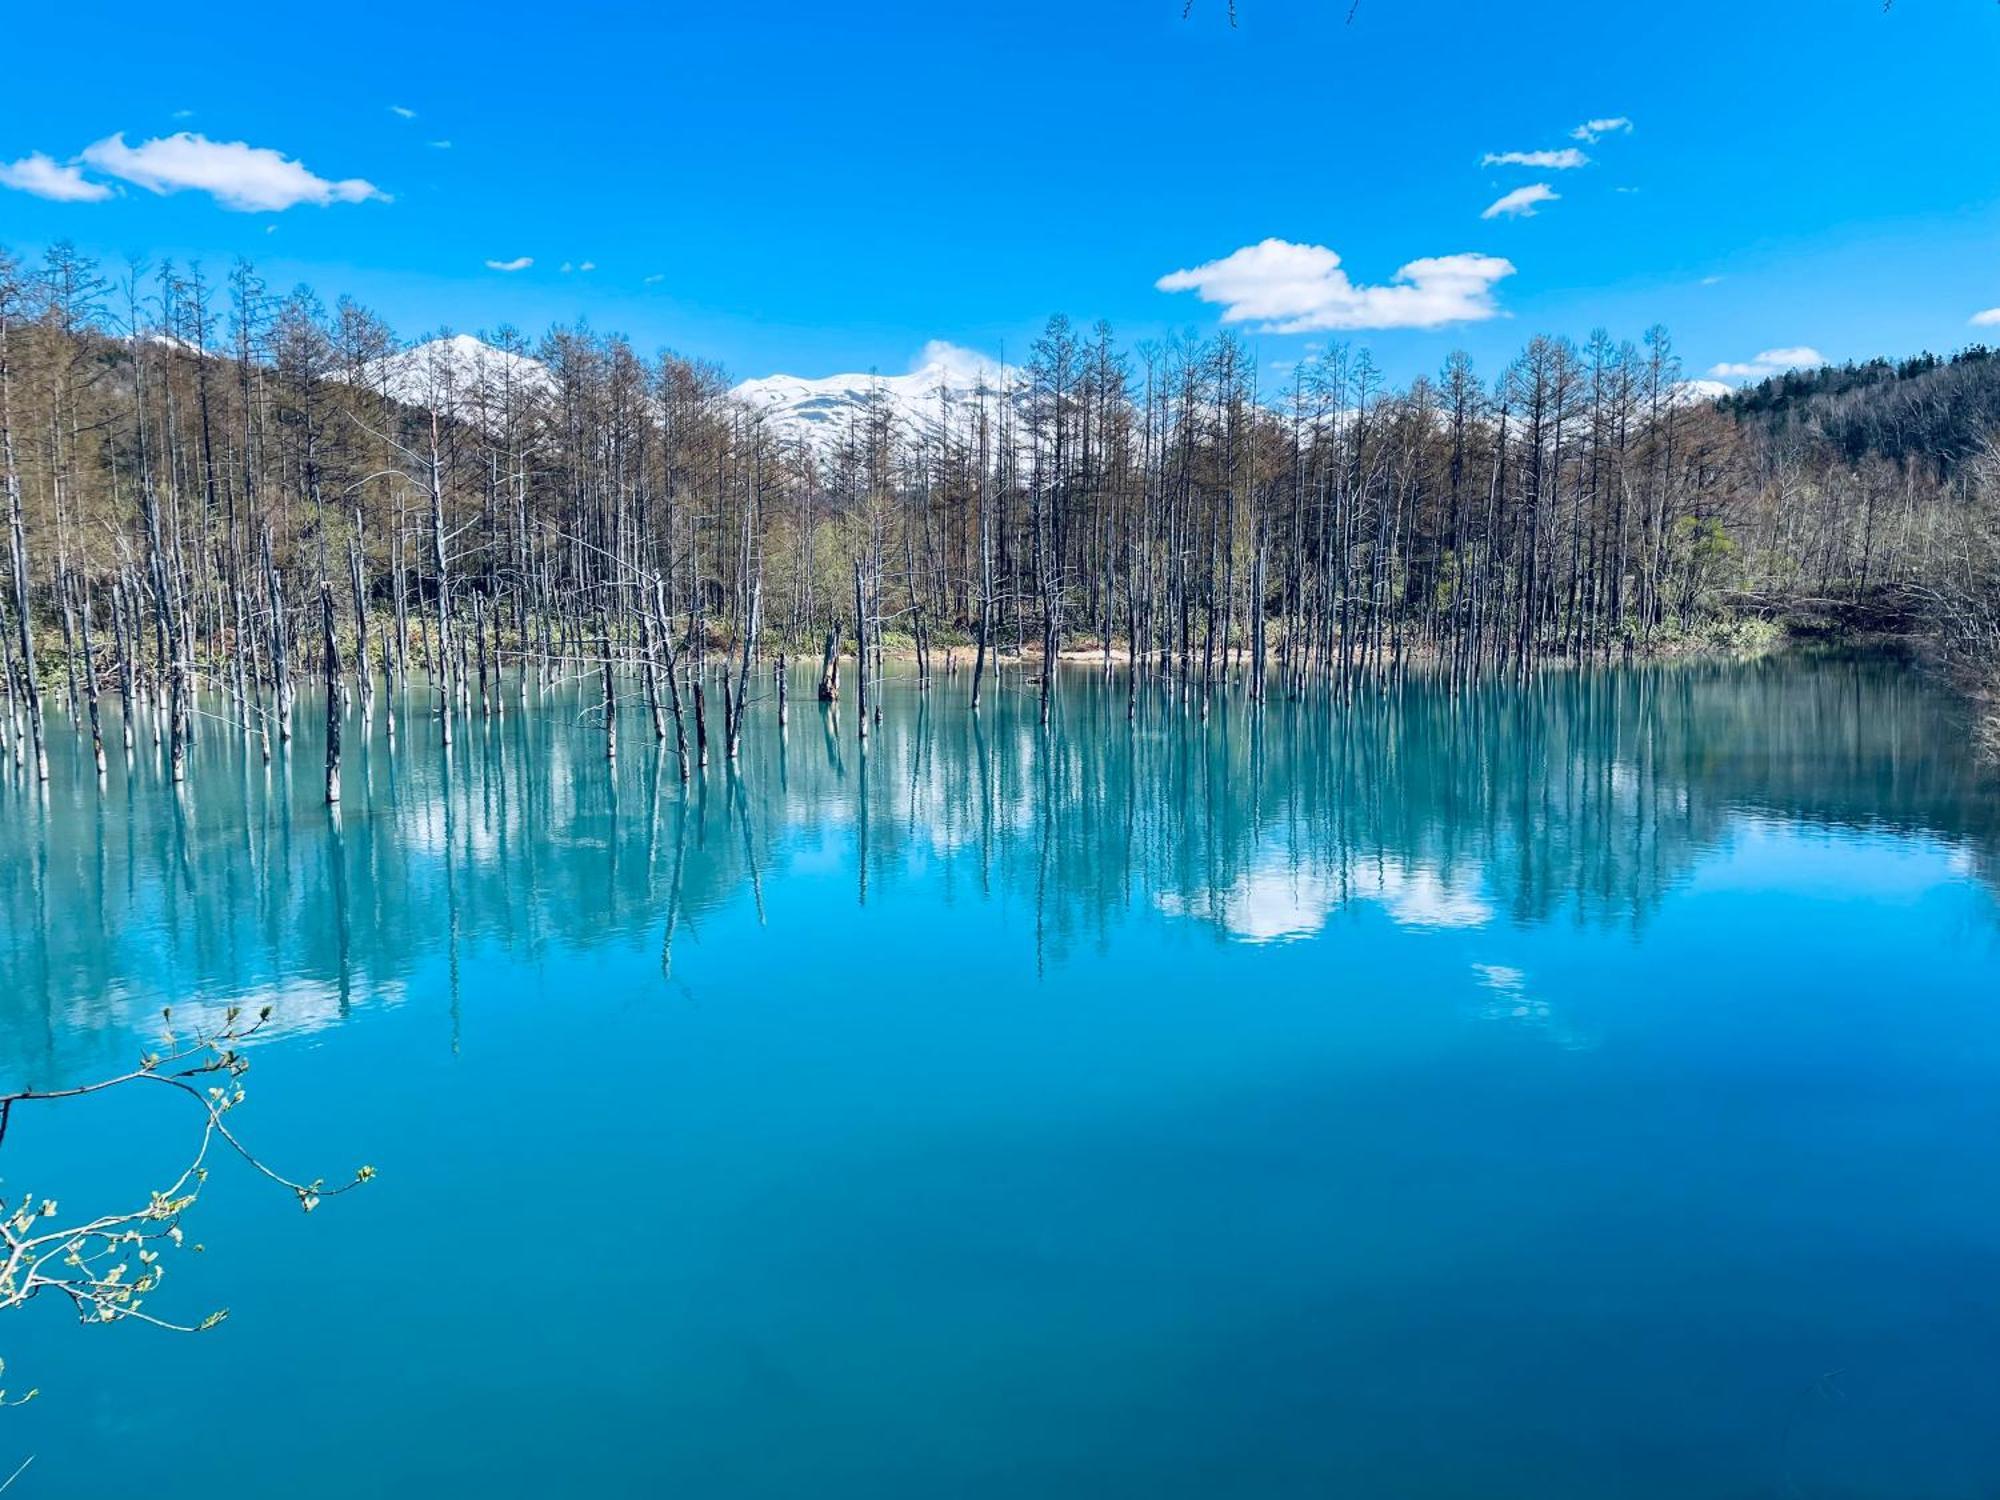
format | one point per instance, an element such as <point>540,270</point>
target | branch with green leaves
<point>109,1266</point>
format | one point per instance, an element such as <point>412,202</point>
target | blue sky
<point>827,187</point>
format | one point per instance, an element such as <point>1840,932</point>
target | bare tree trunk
<point>743,669</point>
<point>122,640</point>
<point>359,584</point>
<point>330,670</point>
<point>90,673</point>
<point>610,695</point>
<point>441,667</point>
<point>31,688</point>
<point>829,668</point>
<point>662,621</point>
<point>860,652</point>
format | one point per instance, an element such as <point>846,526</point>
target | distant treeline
<point>214,486</point>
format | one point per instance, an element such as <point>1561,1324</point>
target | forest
<point>219,494</point>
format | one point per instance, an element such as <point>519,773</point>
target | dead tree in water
<point>330,660</point>
<point>441,664</point>
<point>610,693</point>
<point>649,674</point>
<point>1224,537</point>
<point>167,621</point>
<point>743,669</point>
<point>363,679</point>
<point>664,629</point>
<point>829,668</point>
<point>985,597</point>
<point>90,673</point>
<point>17,527</point>
<point>860,652</point>
<point>122,642</point>
<point>281,656</point>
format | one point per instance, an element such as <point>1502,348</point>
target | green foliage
<point>108,1266</point>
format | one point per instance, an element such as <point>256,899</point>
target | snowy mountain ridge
<point>467,376</point>
<point>820,412</point>
<point>458,374</point>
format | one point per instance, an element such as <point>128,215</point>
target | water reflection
<point>1582,797</point>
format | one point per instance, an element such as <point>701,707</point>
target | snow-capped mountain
<point>470,378</point>
<point>1697,392</point>
<point>820,412</point>
<point>460,375</point>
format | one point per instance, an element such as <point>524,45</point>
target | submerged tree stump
<point>829,669</point>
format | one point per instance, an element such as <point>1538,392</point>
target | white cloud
<point>1555,161</point>
<point>440,145</point>
<point>236,174</point>
<point>655,279</point>
<point>954,364</point>
<point>1521,202</point>
<point>401,113</point>
<point>1291,288</point>
<point>47,178</point>
<point>518,263</point>
<point>1591,130</point>
<point>183,114</point>
<point>1770,362</point>
<point>1710,280</point>
<point>1987,319</point>
<point>1272,901</point>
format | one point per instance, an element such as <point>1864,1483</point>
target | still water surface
<point>1581,1090</point>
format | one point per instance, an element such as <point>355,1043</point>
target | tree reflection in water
<point>1584,795</point>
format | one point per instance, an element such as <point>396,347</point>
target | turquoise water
<point>1581,1090</point>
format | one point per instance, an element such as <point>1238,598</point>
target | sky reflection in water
<point>1533,1093</point>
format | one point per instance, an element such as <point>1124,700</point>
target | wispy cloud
<point>252,179</point>
<point>1770,362</point>
<point>183,114</point>
<point>1592,130</point>
<point>588,265</point>
<point>1520,203</point>
<point>518,263</point>
<point>1990,318</point>
<point>401,112</point>
<point>45,177</point>
<point>954,364</point>
<point>655,279</point>
<point>1565,160</point>
<point>1290,288</point>
<point>440,145</point>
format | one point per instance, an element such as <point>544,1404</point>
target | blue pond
<point>1581,1088</point>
